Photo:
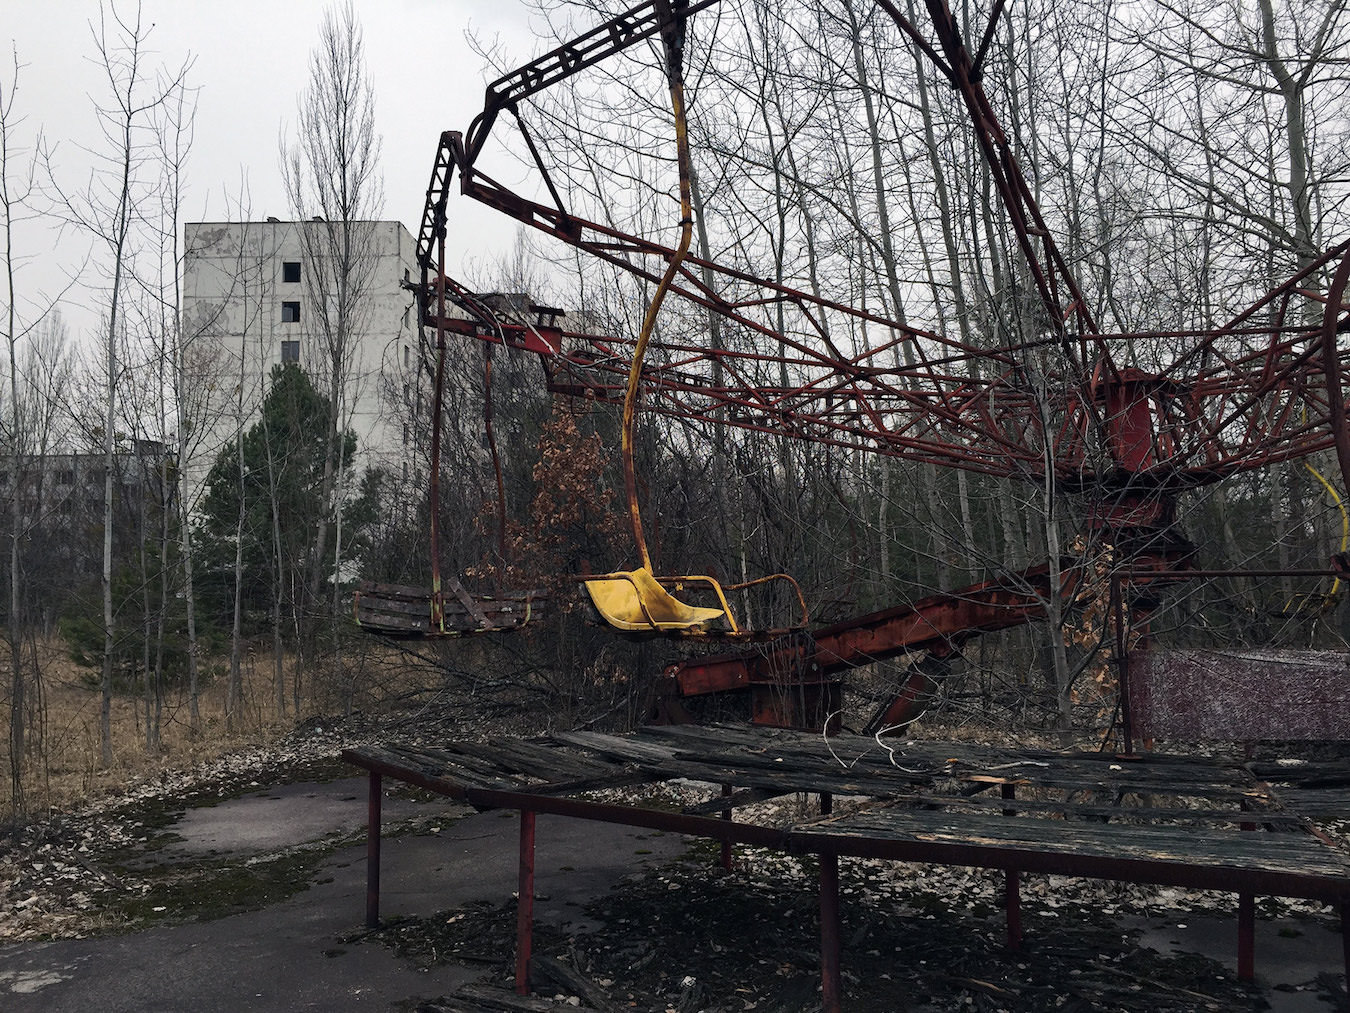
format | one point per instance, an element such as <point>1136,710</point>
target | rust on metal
<point>373,806</point>
<point>1012,886</point>
<point>1239,694</point>
<point>525,902</point>
<point>939,624</point>
<point>831,981</point>
<point>1178,426</point>
<point>1263,388</point>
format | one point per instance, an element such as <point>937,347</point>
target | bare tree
<point>331,174</point>
<point>106,208</point>
<point>12,202</point>
<point>165,409</point>
<point>1239,105</point>
<point>38,364</point>
<point>254,255</point>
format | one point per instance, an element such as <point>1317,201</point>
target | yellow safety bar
<point>1317,601</point>
<point>1345,519</point>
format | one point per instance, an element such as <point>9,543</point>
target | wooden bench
<point>1175,821</point>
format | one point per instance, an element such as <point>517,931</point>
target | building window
<point>65,477</point>
<point>405,434</point>
<point>290,351</point>
<point>290,271</point>
<point>290,313</point>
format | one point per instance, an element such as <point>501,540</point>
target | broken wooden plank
<point>572,982</point>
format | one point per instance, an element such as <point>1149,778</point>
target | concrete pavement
<point>288,957</point>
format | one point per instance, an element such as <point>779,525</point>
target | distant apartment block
<point>254,298</point>
<point>60,500</point>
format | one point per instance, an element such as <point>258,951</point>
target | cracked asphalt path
<point>290,955</point>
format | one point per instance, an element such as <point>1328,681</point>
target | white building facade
<point>255,295</point>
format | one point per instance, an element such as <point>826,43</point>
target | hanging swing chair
<point>397,610</point>
<point>1320,603</point>
<point>638,601</point>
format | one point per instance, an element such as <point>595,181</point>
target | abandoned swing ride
<point>1073,405</point>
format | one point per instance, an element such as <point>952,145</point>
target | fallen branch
<point>572,982</point>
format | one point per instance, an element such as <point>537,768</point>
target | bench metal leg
<point>1246,937</point>
<point>1246,922</point>
<point>1012,887</point>
<point>831,991</point>
<point>373,852</point>
<point>1345,939</point>
<point>726,815</point>
<point>525,903</point>
<point>1012,901</point>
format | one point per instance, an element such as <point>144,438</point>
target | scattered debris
<point>688,937</point>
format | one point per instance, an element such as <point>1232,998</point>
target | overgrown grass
<point>64,762</point>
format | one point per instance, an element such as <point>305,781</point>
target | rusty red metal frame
<point>1242,396</point>
<point>1265,398</point>
<point>1048,268</point>
<point>939,625</point>
<point>1262,389</point>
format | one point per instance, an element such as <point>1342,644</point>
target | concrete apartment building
<point>65,488</point>
<point>252,298</point>
<point>60,501</point>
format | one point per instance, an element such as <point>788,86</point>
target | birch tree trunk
<point>109,211</point>
<point>332,182</point>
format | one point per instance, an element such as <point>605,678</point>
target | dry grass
<point>64,761</point>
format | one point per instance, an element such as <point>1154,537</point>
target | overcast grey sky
<point>251,64</point>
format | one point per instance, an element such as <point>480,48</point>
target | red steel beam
<point>525,902</point>
<point>1270,403</point>
<point>940,623</point>
<point>602,42</point>
<point>1256,394</point>
<point>374,797</point>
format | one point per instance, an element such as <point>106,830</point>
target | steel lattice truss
<point>1194,407</point>
<point>1244,396</point>
<point>1129,420</point>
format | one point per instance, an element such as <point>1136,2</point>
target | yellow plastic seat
<point>634,600</point>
